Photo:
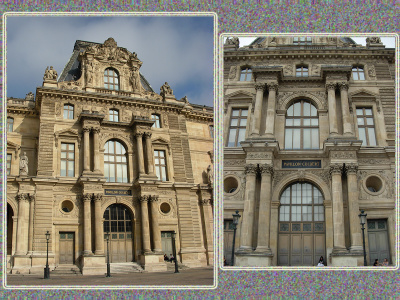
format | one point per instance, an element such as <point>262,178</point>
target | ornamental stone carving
<point>22,197</point>
<point>250,169</point>
<point>232,41</point>
<point>266,169</point>
<point>87,197</point>
<point>288,70</point>
<point>330,86</point>
<point>232,72</point>
<point>98,197</point>
<point>259,155</point>
<point>273,86</point>
<point>371,71</point>
<point>259,86</point>
<point>134,80</point>
<point>344,85</point>
<point>165,90</point>
<point>234,162</point>
<point>153,198</point>
<point>351,168</point>
<point>23,165</point>
<point>210,175</point>
<point>144,198</point>
<point>335,169</point>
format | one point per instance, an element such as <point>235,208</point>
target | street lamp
<point>363,220</point>
<point>47,270</point>
<point>236,218</point>
<point>108,255</point>
<point>174,251</point>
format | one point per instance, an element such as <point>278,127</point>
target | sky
<point>389,42</point>
<point>173,49</point>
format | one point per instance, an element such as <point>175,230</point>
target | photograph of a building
<point>309,144</point>
<point>96,156</point>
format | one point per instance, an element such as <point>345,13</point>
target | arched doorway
<point>301,227</point>
<point>118,222</point>
<point>10,214</point>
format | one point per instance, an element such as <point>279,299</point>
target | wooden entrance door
<point>118,222</point>
<point>166,242</point>
<point>67,247</point>
<point>301,226</point>
<point>228,241</point>
<point>378,241</point>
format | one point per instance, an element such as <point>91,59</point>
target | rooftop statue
<point>166,89</point>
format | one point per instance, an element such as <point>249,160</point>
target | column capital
<point>267,169</point>
<point>147,134</point>
<point>153,198</point>
<point>205,202</point>
<point>96,129</point>
<point>272,86</point>
<point>335,169</point>
<point>250,169</point>
<point>351,168</point>
<point>330,86</point>
<point>259,86</point>
<point>139,134</point>
<point>23,197</point>
<point>97,197</point>
<point>86,129</point>
<point>32,197</point>
<point>87,197</point>
<point>144,198</point>
<point>344,85</point>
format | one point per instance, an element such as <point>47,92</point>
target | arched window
<point>115,162</point>
<point>156,119</point>
<point>358,73</point>
<point>10,124</point>
<point>111,79</point>
<point>301,130</point>
<point>302,71</point>
<point>68,111</point>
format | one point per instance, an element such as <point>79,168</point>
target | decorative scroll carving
<point>250,169</point>
<point>343,155</point>
<point>335,169</point>
<point>266,169</point>
<point>330,86</point>
<point>87,197</point>
<point>351,168</point>
<point>259,86</point>
<point>234,162</point>
<point>343,85</point>
<point>259,155</point>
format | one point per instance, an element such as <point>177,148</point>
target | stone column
<point>248,212</point>
<point>145,223</point>
<point>149,153</point>
<point>87,225</point>
<point>155,226</point>
<point>22,234</point>
<point>30,235</point>
<point>333,126</point>
<point>270,121</point>
<point>96,156</point>
<point>139,144</point>
<point>355,228</point>
<point>260,87</point>
<point>208,223</point>
<point>14,234</point>
<point>99,238</point>
<point>337,204</point>
<point>347,129</point>
<point>86,167</point>
<point>265,208</point>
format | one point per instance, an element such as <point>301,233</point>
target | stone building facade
<point>98,151</point>
<point>309,142</point>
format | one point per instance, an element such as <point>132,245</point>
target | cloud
<point>178,50</point>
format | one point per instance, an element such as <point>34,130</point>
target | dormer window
<point>113,115</point>
<point>302,40</point>
<point>156,119</point>
<point>302,71</point>
<point>358,73</point>
<point>245,74</point>
<point>111,79</point>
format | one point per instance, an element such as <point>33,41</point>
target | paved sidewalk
<point>197,276</point>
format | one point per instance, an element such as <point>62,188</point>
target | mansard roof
<point>72,70</point>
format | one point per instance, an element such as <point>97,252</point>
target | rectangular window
<point>68,111</point>
<point>156,119</point>
<point>67,160</point>
<point>160,165</point>
<point>245,74</point>
<point>303,40</point>
<point>211,128</point>
<point>366,127</point>
<point>358,73</point>
<point>9,157</point>
<point>237,128</point>
<point>10,124</point>
<point>113,115</point>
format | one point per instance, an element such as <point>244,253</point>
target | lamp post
<point>174,251</point>
<point>108,255</point>
<point>47,270</point>
<point>236,218</point>
<point>363,220</point>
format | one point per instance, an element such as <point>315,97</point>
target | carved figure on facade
<point>288,70</point>
<point>30,96</point>
<point>23,165</point>
<point>50,74</point>
<point>371,71</point>
<point>89,73</point>
<point>166,89</point>
<point>134,80</point>
<point>232,72</point>
<point>373,40</point>
<point>185,100</point>
<point>232,41</point>
<point>210,175</point>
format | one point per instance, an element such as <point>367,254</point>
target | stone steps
<point>66,270</point>
<point>171,266</point>
<point>129,267</point>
